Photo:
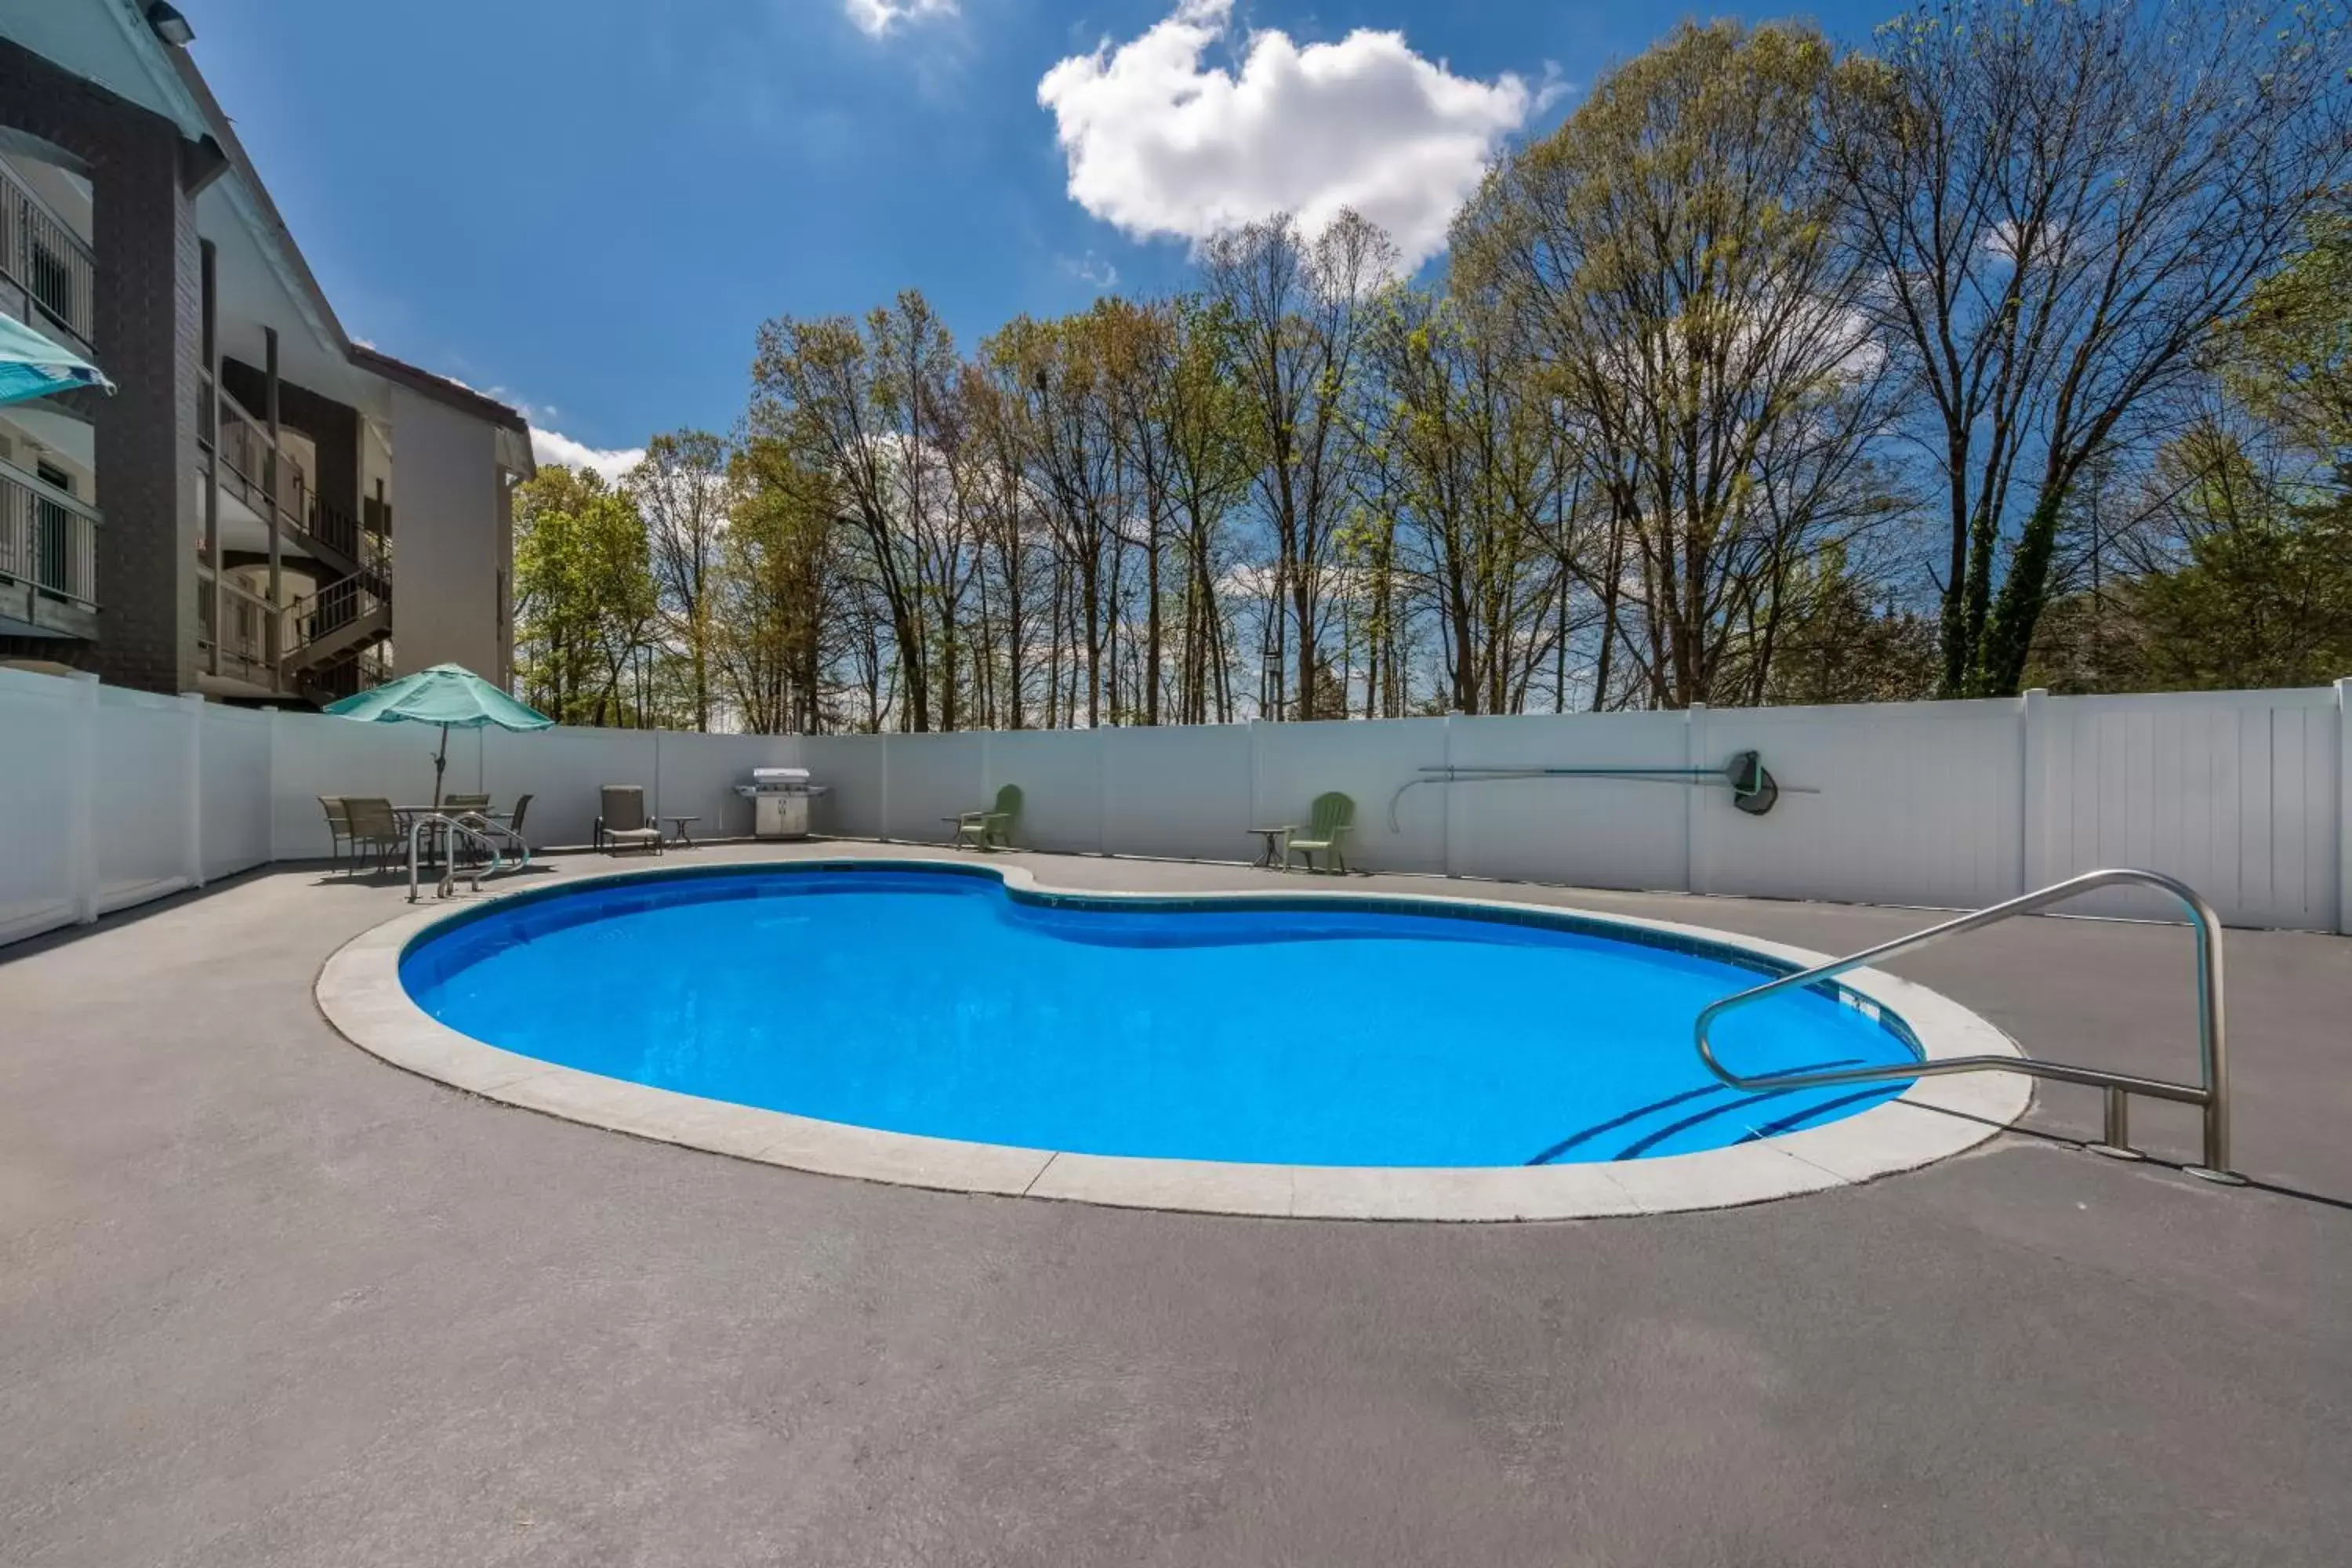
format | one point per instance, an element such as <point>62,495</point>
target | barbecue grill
<point>780,801</point>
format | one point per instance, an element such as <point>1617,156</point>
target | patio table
<point>1273,837</point>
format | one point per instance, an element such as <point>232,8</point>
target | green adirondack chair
<point>992,826</point>
<point>1328,821</point>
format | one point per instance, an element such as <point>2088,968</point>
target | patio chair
<point>621,818</point>
<point>339,827</point>
<point>455,803</point>
<point>991,827</point>
<point>1328,821</point>
<point>375,826</point>
<point>512,823</point>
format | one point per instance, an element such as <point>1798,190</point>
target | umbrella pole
<point>440,761</point>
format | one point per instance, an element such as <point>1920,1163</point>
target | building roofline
<point>281,237</point>
<point>241,165</point>
<point>440,388</point>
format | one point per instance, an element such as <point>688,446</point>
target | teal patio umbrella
<point>33,366</point>
<point>448,695</point>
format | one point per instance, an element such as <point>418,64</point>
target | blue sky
<point>589,206</point>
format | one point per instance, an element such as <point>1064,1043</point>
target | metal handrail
<point>484,826</point>
<point>460,826</point>
<point>2211,1094</point>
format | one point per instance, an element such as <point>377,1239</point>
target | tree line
<point>2010,348</point>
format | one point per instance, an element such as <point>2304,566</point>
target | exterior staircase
<point>330,633</point>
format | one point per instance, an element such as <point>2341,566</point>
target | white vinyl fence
<point>109,797</point>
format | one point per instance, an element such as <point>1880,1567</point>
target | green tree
<point>1834,645</point>
<point>777,594</point>
<point>2291,356</point>
<point>1469,459</point>
<point>584,598</point>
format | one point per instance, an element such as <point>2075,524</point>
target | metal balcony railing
<point>241,447</point>
<point>242,444</point>
<point>47,538</point>
<point>251,632</point>
<point>53,270</point>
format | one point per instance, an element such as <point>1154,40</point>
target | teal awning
<point>33,366</point>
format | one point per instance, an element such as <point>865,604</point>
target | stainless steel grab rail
<point>484,826</point>
<point>2211,1095</point>
<point>469,825</point>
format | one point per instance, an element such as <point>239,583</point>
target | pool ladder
<point>2211,1094</point>
<point>474,828</point>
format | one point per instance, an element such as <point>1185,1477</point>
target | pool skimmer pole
<point>1753,788</point>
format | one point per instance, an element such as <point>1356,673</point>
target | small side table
<point>677,831</point>
<point>1268,858</point>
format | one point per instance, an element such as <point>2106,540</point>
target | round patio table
<point>1273,837</point>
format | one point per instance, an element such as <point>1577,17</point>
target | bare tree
<point>1670,255</point>
<point>679,490</point>
<point>1298,316</point>
<point>2057,203</point>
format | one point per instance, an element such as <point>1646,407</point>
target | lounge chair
<point>339,826</point>
<point>375,826</point>
<point>1328,821</point>
<point>621,818</point>
<point>991,827</point>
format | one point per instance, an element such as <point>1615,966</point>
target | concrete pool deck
<point>264,1300</point>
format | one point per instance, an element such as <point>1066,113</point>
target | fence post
<point>1102,787</point>
<point>1257,777</point>
<point>2033,790</point>
<point>1447,794</point>
<point>882,827</point>
<point>2344,807</point>
<point>192,703</point>
<point>1694,877</point>
<point>82,855</point>
<point>269,803</point>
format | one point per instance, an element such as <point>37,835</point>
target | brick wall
<point>148,323</point>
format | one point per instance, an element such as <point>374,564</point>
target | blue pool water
<point>938,1002</point>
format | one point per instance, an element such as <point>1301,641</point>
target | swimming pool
<point>1300,1031</point>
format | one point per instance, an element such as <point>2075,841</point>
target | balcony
<point>48,558</point>
<point>50,271</point>
<point>330,644</point>
<point>251,633</point>
<point>284,498</point>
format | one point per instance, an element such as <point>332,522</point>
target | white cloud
<point>1091,268</point>
<point>1160,143</point>
<point>875,18</point>
<point>554,446</point>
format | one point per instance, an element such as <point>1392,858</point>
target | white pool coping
<point>360,991</point>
